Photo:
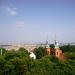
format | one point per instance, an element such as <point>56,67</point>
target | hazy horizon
<point>34,21</point>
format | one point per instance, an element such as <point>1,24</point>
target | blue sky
<point>32,21</point>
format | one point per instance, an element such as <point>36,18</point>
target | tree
<point>2,63</point>
<point>22,52</point>
<point>3,51</point>
<point>68,48</point>
<point>52,45</point>
<point>20,65</point>
<point>39,52</point>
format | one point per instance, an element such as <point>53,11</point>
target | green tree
<point>39,52</point>
<point>68,48</point>
<point>20,65</point>
<point>2,62</point>
<point>3,51</point>
<point>52,45</point>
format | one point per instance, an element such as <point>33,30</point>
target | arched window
<point>60,54</point>
<point>57,53</point>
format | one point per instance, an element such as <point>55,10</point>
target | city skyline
<point>33,21</point>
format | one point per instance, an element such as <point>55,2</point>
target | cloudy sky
<point>32,21</point>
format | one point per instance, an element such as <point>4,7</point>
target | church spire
<point>47,44</point>
<point>56,44</point>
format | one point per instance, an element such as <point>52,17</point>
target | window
<point>57,53</point>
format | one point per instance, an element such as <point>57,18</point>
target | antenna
<point>47,40</point>
<point>55,39</point>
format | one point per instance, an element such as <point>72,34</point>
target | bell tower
<point>48,50</point>
<point>58,52</point>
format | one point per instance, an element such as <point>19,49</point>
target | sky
<point>35,21</point>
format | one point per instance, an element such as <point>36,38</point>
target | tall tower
<point>48,50</point>
<point>58,52</point>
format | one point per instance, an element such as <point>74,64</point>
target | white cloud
<point>11,11</point>
<point>20,24</point>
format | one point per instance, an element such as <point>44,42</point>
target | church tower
<point>58,52</point>
<point>48,50</point>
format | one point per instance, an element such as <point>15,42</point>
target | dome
<point>47,46</point>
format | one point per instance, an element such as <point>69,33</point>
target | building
<point>54,51</point>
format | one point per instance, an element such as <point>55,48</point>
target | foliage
<point>70,55</point>
<point>68,48</point>
<point>3,51</point>
<point>19,63</point>
<point>39,52</point>
<point>52,45</point>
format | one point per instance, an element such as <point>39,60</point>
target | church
<point>56,51</point>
